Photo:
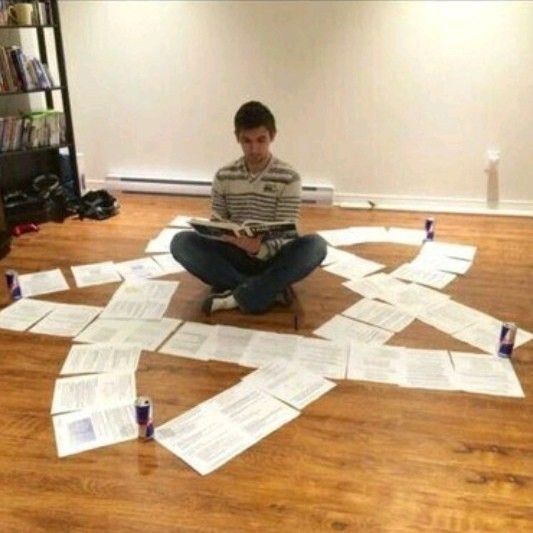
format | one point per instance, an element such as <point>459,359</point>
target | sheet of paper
<point>181,221</point>
<point>354,268</point>
<point>290,383</point>
<point>144,267</point>
<point>413,237</point>
<point>322,357</point>
<point>343,329</point>
<point>258,413</point>
<point>381,364</point>
<point>339,237</point>
<point>43,282</point>
<point>378,285</point>
<point>427,369</point>
<point>334,255</point>
<point>228,344</point>
<point>66,320</point>
<point>379,314</point>
<point>93,391</point>
<point>86,430</point>
<point>203,438</point>
<point>363,234</point>
<point>433,261</point>
<point>415,298</point>
<point>354,235</point>
<point>168,264</point>
<point>189,341</point>
<point>214,432</point>
<point>459,251</point>
<point>486,374</point>
<point>266,346</point>
<point>95,274</point>
<point>22,314</point>
<point>161,243</point>
<point>450,316</point>
<point>485,335</point>
<point>433,278</point>
<point>100,358</point>
<point>142,299</point>
<point>148,334</point>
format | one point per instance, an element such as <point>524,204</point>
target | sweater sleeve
<point>288,206</point>
<point>287,209</point>
<point>219,207</point>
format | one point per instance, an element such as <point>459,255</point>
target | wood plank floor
<point>365,457</point>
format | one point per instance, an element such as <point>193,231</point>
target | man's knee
<point>183,244</point>
<point>316,247</point>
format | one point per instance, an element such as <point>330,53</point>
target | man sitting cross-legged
<point>250,272</point>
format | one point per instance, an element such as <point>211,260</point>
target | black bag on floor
<point>41,201</point>
<point>97,204</point>
<point>49,188</point>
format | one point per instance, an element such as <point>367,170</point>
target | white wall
<point>376,98</point>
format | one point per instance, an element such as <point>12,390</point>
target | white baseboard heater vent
<point>322,195</point>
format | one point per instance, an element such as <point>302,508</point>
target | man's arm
<point>288,206</point>
<point>219,207</point>
<point>250,245</point>
<point>287,209</point>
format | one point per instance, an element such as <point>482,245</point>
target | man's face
<point>255,145</point>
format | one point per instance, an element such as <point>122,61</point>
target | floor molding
<point>409,203</point>
<point>434,205</point>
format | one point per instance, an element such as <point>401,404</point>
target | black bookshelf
<point>14,93</point>
<point>29,151</point>
<point>18,26</point>
<point>19,167</point>
<point>5,238</point>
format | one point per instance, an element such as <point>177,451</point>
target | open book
<point>249,228</point>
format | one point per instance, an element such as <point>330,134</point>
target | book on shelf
<point>249,228</point>
<point>32,130</point>
<point>42,13</point>
<point>4,12</point>
<point>19,72</point>
<point>8,82</point>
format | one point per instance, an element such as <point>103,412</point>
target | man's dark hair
<point>254,115</point>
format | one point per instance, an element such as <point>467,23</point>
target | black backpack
<point>97,204</point>
<point>94,204</point>
<point>46,199</point>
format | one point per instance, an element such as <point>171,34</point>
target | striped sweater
<point>271,196</point>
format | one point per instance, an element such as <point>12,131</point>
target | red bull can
<point>144,413</point>
<point>507,338</point>
<point>429,226</point>
<point>13,284</point>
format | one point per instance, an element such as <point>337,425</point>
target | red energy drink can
<point>507,338</point>
<point>429,226</point>
<point>13,284</point>
<point>144,413</point>
<point>24,228</point>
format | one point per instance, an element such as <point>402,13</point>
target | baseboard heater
<point>320,195</point>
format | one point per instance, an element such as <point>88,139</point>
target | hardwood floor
<point>365,457</point>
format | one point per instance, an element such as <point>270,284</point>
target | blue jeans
<point>254,283</point>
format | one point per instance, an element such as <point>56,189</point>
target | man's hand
<point>250,245</point>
